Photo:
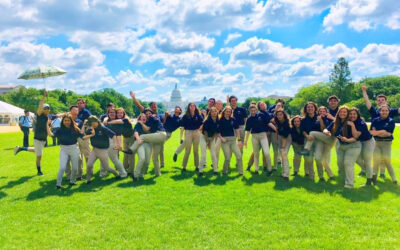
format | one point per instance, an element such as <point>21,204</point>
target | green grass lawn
<point>183,211</point>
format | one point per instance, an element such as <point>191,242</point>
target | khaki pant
<point>181,147</point>
<point>154,138</point>
<point>275,147</point>
<point>284,154</point>
<point>162,149</point>
<point>67,153</point>
<point>228,148</point>
<point>322,151</point>
<point>297,148</point>
<point>144,154</point>
<point>365,158</point>
<point>102,154</point>
<point>383,153</point>
<point>39,145</point>
<point>347,155</point>
<point>241,136</point>
<point>192,137</point>
<point>114,157</point>
<point>156,151</point>
<point>309,162</point>
<point>213,153</point>
<point>129,159</point>
<point>260,141</point>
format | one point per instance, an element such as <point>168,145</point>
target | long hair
<point>358,113</point>
<point>338,121</point>
<point>294,118</point>
<point>224,110</point>
<point>196,110</point>
<point>73,126</point>
<point>285,118</point>
<point>322,107</point>
<point>305,114</point>
<point>259,104</point>
<point>209,114</point>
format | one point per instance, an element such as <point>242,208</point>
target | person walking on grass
<point>382,129</point>
<point>349,147</point>
<point>68,135</point>
<point>230,139</point>
<point>100,143</point>
<point>25,123</point>
<point>40,133</point>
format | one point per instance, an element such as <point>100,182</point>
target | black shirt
<point>171,123</point>
<point>84,114</point>
<point>227,127</point>
<point>155,124</point>
<point>266,117</point>
<point>333,112</point>
<point>191,122</point>
<point>387,124</point>
<point>101,137</point>
<point>240,115</point>
<point>67,136</point>
<point>210,127</point>
<point>41,127</point>
<point>374,112</point>
<point>307,124</point>
<point>256,124</point>
<point>361,126</point>
<point>283,129</point>
<point>138,128</point>
<point>297,136</point>
<point>339,131</point>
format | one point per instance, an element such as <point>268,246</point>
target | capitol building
<point>175,100</point>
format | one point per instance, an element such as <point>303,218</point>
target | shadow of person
<point>182,175</point>
<point>14,183</point>
<point>256,179</point>
<point>140,182</point>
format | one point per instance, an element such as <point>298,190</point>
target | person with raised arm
<point>40,133</point>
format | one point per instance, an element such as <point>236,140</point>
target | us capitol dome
<point>175,100</point>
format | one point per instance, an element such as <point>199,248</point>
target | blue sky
<point>210,48</point>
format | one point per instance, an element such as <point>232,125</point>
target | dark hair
<point>110,104</point>
<point>147,110</point>
<point>231,97</point>
<point>285,118</point>
<point>305,108</point>
<point>259,103</point>
<point>177,107</point>
<point>26,111</point>
<point>196,110</point>
<point>381,96</point>
<point>294,118</point>
<point>281,101</point>
<point>213,99</point>
<point>151,103</point>
<point>73,126</point>
<point>80,99</point>
<point>73,106</point>
<point>333,97</point>
<point>338,121</point>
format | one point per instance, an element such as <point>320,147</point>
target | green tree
<point>340,79</point>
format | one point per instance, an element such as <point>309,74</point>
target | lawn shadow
<point>48,188</point>
<point>14,183</point>
<point>141,182</point>
<point>2,195</point>
<point>256,178</point>
<point>182,175</point>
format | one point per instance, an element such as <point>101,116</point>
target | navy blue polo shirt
<point>210,127</point>
<point>374,112</point>
<point>116,128</point>
<point>333,112</point>
<point>101,137</point>
<point>266,117</point>
<point>387,124</point>
<point>191,122</point>
<point>102,117</point>
<point>155,124</point>
<point>41,127</point>
<point>172,123</point>
<point>67,136</point>
<point>139,129</point>
<point>240,115</point>
<point>283,129</point>
<point>84,114</point>
<point>127,130</point>
<point>307,124</point>
<point>297,136</point>
<point>362,127</point>
<point>326,122</point>
<point>256,124</point>
<point>339,131</point>
<point>271,109</point>
<point>79,122</point>
<point>227,127</point>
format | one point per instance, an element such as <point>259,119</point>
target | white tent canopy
<point>9,114</point>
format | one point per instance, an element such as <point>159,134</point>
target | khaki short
<point>39,145</point>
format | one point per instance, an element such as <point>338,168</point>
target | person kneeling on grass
<point>100,143</point>
<point>68,135</point>
<point>40,131</point>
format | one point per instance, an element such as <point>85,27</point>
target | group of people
<point>312,137</point>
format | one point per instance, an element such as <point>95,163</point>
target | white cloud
<point>231,37</point>
<point>364,14</point>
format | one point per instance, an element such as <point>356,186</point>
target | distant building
<point>175,100</point>
<point>202,101</point>
<point>4,89</point>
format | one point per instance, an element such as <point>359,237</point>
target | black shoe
<point>382,176</point>
<point>215,173</point>
<point>269,173</point>
<point>135,179</point>
<point>322,179</point>
<point>395,182</point>
<point>285,178</point>
<point>256,172</point>
<point>118,177</point>
<point>362,173</point>
<point>183,170</point>
<point>128,152</point>
<point>274,170</point>
<point>59,187</point>
<point>248,168</point>
<point>175,158</point>
<point>17,149</point>
<point>197,170</point>
<point>306,175</point>
<point>88,182</point>
<point>201,174</point>
<point>162,166</point>
<point>294,174</point>
<point>39,173</point>
<point>265,169</point>
<point>79,179</point>
<point>332,178</point>
<point>279,163</point>
<point>72,184</point>
<point>375,179</point>
<point>369,182</point>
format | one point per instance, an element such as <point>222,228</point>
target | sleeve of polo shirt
<point>330,127</point>
<point>393,112</point>
<point>373,112</point>
<point>235,124</point>
<point>373,123</point>
<point>108,132</point>
<point>391,126</point>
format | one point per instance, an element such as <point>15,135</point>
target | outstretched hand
<point>132,94</point>
<point>364,88</point>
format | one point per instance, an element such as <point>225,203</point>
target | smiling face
<point>310,109</point>
<point>333,103</point>
<point>67,122</point>
<point>384,112</point>
<point>81,104</point>
<point>280,116</point>
<point>148,114</point>
<point>120,114</point>
<point>219,105</point>
<point>112,114</point>
<point>263,106</point>
<point>381,101</point>
<point>192,108</point>
<point>213,113</point>
<point>210,103</point>
<point>94,124</point>
<point>233,101</point>
<point>228,113</point>
<point>142,118</point>
<point>177,111</point>
<point>322,112</point>
<point>353,116</point>
<point>278,106</point>
<point>343,113</point>
<point>74,111</point>
<point>153,107</point>
<point>296,122</point>
<point>253,111</point>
